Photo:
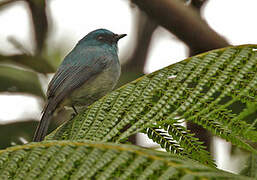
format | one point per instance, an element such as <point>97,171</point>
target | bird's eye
<point>100,37</point>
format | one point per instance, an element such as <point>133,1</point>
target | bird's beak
<point>119,36</point>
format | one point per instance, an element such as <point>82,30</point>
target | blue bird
<point>87,73</point>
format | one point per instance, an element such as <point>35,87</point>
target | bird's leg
<point>75,111</point>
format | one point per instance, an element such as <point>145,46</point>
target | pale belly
<point>96,88</point>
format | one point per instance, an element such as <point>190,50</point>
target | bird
<point>87,73</point>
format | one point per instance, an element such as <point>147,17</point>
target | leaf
<point>12,132</point>
<point>215,90</point>
<point>15,132</point>
<point>251,168</point>
<point>19,81</point>
<point>36,63</point>
<point>88,160</point>
<point>178,140</point>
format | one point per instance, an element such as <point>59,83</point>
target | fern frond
<point>177,139</point>
<point>88,160</point>
<point>216,90</point>
<point>161,137</point>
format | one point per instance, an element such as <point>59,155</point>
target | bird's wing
<point>73,75</point>
<point>59,78</point>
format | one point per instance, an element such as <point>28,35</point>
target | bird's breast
<point>96,87</point>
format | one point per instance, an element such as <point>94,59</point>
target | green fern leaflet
<point>216,90</point>
<point>88,160</point>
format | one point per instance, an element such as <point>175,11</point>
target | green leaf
<point>178,140</point>
<point>36,63</point>
<point>11,132</point>
<point>251,168</point>
<point>19,81</point>
<point>89,160</point>
<point>216,90</point>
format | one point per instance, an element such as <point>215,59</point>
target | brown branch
<point>134,65</point>
<point>19,46</point>
<point>40,23</point>
<point>144,31</point>
<point>197,4</point>
<point>184,22</point>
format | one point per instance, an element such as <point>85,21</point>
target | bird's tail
<point>43,125</point>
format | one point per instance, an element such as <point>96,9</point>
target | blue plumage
<point>87,73</point>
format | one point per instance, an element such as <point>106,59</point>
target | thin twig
<point>5,3</point>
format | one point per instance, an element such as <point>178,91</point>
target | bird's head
<point>102,37</point>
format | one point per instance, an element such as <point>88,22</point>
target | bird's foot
<point>75,113</point>
<point>75,110</point>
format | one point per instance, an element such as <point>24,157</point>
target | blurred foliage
<point>10,133</point>
<point>19,73</point>
<point>251,167</point>
<point>23,78</point>
<point>36,63</point>
<point>15,132</point>
<point>19,81</point>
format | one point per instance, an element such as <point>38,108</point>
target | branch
<point>39,18</point>
<point>198,4</point>
<point>145,28</point>
<point>184,22</point>
<point>5,3</point>
<point>134,66</point>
